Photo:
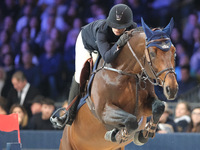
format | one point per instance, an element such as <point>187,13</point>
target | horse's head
<point>160,55</point>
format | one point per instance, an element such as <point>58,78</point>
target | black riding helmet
<point>120,16</point>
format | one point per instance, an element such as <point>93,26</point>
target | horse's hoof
<point>122,136</point>
<point>110,135</point>
<point>139,139</point>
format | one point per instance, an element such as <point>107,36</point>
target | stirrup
<point>59,121</point>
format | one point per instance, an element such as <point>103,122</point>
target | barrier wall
<point>40,140</point>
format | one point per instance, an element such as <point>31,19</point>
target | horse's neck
<point>126,60</point>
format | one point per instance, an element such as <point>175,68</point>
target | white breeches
<point>81,55</point>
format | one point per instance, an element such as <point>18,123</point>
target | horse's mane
<point>137,30</point>
<point>140,29</point>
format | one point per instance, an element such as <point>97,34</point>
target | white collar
<point>26,87</point>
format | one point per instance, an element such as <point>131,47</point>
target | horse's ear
<point>147,30</point>
<point>169,27</point>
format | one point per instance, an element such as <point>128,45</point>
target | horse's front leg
<point>149,131</point>
<point>157,110</point>
<point>123,123</point>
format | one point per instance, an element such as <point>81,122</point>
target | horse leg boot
<point>157,110</point>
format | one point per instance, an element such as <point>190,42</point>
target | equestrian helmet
<point>120,16</point>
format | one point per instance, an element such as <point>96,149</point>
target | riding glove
<point>122,40</point>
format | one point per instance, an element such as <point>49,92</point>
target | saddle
<point>85,74</point>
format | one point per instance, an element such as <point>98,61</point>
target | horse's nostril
<point>168,90</point>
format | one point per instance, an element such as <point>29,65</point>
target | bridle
<point>143,76</point>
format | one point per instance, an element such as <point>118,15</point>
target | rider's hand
<point>122,40</point>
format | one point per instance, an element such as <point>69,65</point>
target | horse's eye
<point>152,54</point>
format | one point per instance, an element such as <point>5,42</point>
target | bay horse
<point>122,94</point>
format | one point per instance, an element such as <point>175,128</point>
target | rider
<point>103,36</point>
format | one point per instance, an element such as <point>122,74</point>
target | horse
<point>122,94</point>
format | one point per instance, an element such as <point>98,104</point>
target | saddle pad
<point>83,99</point>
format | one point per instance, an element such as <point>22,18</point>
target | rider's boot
<point>74,91</point>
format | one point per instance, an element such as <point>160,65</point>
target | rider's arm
<point>106,50</point>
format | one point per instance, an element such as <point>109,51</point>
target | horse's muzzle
<point>170,93</point>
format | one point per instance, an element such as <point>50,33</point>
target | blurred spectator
<point>186,7</point>
<point>41,121</point>
<point>25,48</point>
<point>195,120</point>
<point>5,49</point>
<point>2,106</point>
<point>77,24</point>
<point>34,24</point>
<point>182,58</point>
<point>182,116</point>
<point>138,10</point>
<point>36,104</point>
<point>31,71</point>
<point>10,8</point>
<point>22,115</point>
<point>165,10</point>
<point>51,65</point>
<point>24,35</point>
<point>187,82</point>
<point>9,24</point>
<point>189,28</point>
<point>181,52</point>
<point>44,34</point>
<point>56,36</point>
<point>72,12</point>
<point>176,36</point>
<point>22,93</point>
<point>166,123</point>
<point>196,39</point>
<point>96,13</point>
<point>61,7</point>
<point>5,52</point>
<point>23,21</point>
<point>195,63</point>
<point>36,10</point>
<point>4,38</point>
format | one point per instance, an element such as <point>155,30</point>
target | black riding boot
<point>74,91</point>
<point>69,116</point>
